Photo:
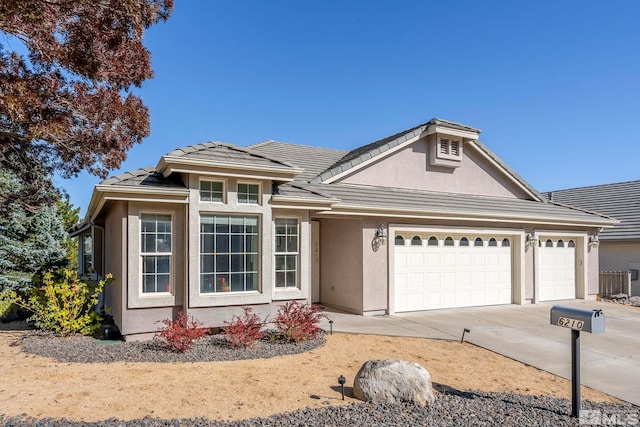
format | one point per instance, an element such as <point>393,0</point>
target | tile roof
<point>619,200</point>
<point>450,204</point>
<point>313,160</point>
<point>228,153</point>
<point>144,177</point>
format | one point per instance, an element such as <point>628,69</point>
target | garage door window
<point>548,243</point>
<point>433,241</point>
<point>571,244</point>
<point>464,242</point>
<point>560,244</point>
<point>478,242</point>
<point>416,241</point>
<point>448,241</point>
<point>493,242</point>
<point>399,241</point>
<point>506,243</point>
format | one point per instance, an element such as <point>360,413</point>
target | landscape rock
<point>393,381</point>
<point>635,301</point>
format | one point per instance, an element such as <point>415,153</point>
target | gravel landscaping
<point>452,408</point>
<point>212,348</point>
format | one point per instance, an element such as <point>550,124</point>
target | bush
<point>244,330</point>
<point>7,299</point>
<point>180,334</point>
<point>64,303</point>
<point>298,322</point>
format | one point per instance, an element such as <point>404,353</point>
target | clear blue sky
<point>554,85</point>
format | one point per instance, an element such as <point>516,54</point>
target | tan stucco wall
<point>375,273</point>
<point>341,275</point>
<point>409,168</point>
<point>116,260</point>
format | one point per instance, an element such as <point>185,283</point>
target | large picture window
<point>286,253</point>
<point>156,253</point>
<point>229,253</point>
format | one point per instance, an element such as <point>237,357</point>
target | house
<point>619,246</point>
<point>425,219</point>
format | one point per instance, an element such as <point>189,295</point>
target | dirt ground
<point>41,387</point>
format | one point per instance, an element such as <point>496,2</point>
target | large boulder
<point>393,381</point>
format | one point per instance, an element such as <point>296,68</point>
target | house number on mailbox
<point>570,323</point>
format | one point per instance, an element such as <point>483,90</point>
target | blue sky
<point>554,85</point>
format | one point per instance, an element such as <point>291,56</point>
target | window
<point>433,241</point>
<point>87,254</point>
<point>229,253</point>
<point>448,241</point>
<point>571,244</point>
<point>399,241</point>
<point>506,243</point>
<point>549,243</point>
<point>248,193</point>
<point>156,253</point>
<point>416,241</point>
<point>560,244</point>
<point>493,242</point>
<point>212,191</point>
<point>464,242</point>
<point>478,242</point>
<point>286,253</point>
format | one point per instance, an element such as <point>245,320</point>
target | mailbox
<point>578,319</point>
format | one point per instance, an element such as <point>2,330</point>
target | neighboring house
<point>619,246</point>
<point>425,219</point>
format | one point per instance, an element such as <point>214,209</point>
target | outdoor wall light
<point>531,240</point>
<point>381,234</point>
<point>341,381</point>
<point>594,241</point>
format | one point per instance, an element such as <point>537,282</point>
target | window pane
<point>222,224</point>
<point>281,244</point>
<point>206,264</point>
<point>237,224</point>
<point>280,262</point>
<point>252,262</point>
<point>478,242</point>
<point>148,223</point>
<point>222,243</point>
<point>251,243</point>
<point>493,242</point>
<point>464,242</point>
<point>148,283</point>
<point>448,241</point>
<point>237,243</point>
<point>206,243</point>
<point>163,283</point>
<point>148,265</point>
<point>433,241</point>
<point>222,263</point>
<point>237,283</point>
<point>280,280</point>
<point>291,261</point>
<point>252,282</point>
<point>237,263</point>
<point>290,278</point>
<point>163,243</point>
<point>206,283</point>
<point>292,244</point>
<point>505,243</point>
<point>399,241</point>
<point>163,264</point>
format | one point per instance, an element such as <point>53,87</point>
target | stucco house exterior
<point>620,245</point>
<point>428,218</point>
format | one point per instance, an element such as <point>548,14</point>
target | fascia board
<point>103,193</point>
<point>453,132</point>
<point>372,160</point>
<point>461,216</point>
<point>170,164</point>
<point>299,203</point>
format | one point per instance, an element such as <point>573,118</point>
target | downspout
<point>102,256</point>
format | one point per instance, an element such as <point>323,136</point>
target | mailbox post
<point>577,319</point>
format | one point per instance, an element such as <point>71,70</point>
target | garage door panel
<point>556,271</point>
<point>455,276</point>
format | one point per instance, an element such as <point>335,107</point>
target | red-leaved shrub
<point>180,334</point>
<point>244,330</point>
<point>298,322</point>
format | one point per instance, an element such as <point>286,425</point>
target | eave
<point>170,164</point>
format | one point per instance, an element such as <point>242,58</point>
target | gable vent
<point>455,148</point>
<point>444,146</point>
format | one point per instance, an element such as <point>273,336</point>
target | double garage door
<point>434,271</point>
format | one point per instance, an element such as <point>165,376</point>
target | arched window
<point>399,241</point>
<point>560,244</point>
<point>433,241</point>
<point>416,241</point>
<point>448,241</point>
<point>571,244</point>
<point>506,243</point>
<point>548,243</point>
<point>478,242</point>
<point>493,242</point>
<point>464,242</point>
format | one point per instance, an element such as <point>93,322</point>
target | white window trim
<point>224,189</point>
<point>218,295</point>
<point>151,295</point>
<point>258,184</point>
<point>298,284</point>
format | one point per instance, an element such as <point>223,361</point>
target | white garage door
<point>557,269</point>
<point>442,271</point>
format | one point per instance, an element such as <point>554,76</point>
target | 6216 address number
<point>570,323</point>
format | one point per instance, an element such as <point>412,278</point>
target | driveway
<point>610,362</point>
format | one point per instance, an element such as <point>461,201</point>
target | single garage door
<point>442,271</point>
<point>557,269</point>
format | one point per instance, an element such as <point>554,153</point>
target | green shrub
<point>65,304</point>
<point>7,299</point>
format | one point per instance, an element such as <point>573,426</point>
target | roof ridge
<point>553,202</point>
<point>130,174</point>
<point>273,141</point>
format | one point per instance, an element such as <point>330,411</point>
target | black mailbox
<point>578,319</point>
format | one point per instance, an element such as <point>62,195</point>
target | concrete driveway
<point>610,362</point>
